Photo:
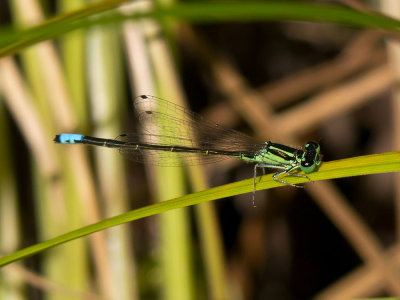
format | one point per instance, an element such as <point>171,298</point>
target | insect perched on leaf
<point>174,136</point>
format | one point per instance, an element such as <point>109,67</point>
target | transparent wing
<point>167,124</point>
<point>161,117</point>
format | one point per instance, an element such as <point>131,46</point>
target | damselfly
<point>174,136</point>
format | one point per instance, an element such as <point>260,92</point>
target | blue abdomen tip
<point>69,138</point>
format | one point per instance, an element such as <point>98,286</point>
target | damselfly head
<point>311,157</point>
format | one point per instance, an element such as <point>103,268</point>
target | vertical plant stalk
<point>45,73</point>
<point>105,77</point>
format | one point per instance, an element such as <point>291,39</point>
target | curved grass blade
<point>198,12</point>
<point>356,166</point>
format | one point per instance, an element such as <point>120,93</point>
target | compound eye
<point>306,163</point>
<point>311,146</point>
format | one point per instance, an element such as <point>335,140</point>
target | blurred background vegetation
<point>270,76</point>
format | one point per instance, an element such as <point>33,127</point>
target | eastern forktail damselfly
<point>174,136</point>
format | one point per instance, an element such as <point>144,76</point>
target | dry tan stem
<point>362,239</point>
<point>365,280</point>
<point>336,101</point>
<point>44,284</point>
<point>19,102</point>
<point>358,55</point>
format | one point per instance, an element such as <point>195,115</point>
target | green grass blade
<point>197,11</point>
<point>356,166</point>
<point>200,11</point>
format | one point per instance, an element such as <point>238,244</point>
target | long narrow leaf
<point>199,12</point>
<point>356,166</point>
